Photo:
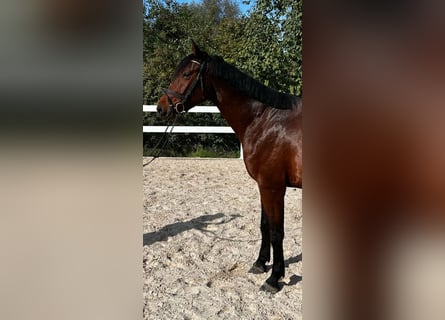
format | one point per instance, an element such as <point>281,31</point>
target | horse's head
<point>187,87</point>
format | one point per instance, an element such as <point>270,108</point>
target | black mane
<point>253,88</point>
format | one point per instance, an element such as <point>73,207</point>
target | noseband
<point>179,107</point>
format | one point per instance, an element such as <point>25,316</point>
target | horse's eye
<point>187,75</point>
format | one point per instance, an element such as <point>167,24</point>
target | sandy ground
<point>201,235</point>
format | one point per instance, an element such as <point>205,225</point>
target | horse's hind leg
<point>264,256</point>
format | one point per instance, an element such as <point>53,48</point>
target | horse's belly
<point>275,171</point>
<point>274,156</point>
<point>295,175</point>
<point>295,166</point>
<point>295,182</point>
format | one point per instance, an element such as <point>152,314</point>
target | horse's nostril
<point>159,109</point>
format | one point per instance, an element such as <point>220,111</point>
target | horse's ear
<point>197,52</point>
<point>195,49</point>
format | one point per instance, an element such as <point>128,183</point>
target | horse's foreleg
<point>277,236</point>
<point>264,256</point>
<point>273,204</point>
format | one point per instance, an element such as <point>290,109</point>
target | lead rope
<point>166,135</point>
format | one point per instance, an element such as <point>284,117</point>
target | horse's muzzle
<point>163,111</point>
<point>163,107</point>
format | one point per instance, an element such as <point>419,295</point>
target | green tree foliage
<point>273,44</point>
<point>265,43</point>
<point>168,29</point>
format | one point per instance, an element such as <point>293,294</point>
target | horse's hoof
<point>257,269</point>
<point>269,288</point>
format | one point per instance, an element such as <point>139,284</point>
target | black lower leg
<point>264,255</point>
<point>277,236</point>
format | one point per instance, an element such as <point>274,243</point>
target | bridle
<point>179,107</point>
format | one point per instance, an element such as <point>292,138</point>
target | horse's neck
<point>238,109</point>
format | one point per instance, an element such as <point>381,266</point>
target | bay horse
<point>269,126</point>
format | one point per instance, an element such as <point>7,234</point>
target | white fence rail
<point>189,129</point>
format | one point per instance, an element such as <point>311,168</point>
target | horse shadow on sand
<point>199,223</point>
<point>294,279</point>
